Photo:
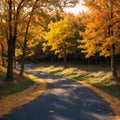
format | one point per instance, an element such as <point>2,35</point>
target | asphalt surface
<point>64,99</point>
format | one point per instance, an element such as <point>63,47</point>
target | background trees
<point>41,29</point>
<point>60,37</point>
<point>11,11</point>
<point>102,30</point>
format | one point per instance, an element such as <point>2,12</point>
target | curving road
<point>64,99</point>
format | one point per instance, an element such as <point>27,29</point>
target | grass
<point>97,75</point>
<point>25,89</point>
<point>17,85</point>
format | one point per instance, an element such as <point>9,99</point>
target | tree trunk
<point>22,68</point>
<point>24,49</point>
<point>65,55</point>
<point>11,47</point>
<point>23,59</point>
<point>3,61</point>
<point>11,51</point>
<point>113,62</point>
<point>14,63</point>
<point>65,62</point>
<point>25,40</point>
<point>3,55</point>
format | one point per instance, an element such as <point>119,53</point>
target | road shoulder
<point>17,100</point>
<point>112,101</point>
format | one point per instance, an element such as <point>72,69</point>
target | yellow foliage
<point>59,37</point>
<point>102,28</point>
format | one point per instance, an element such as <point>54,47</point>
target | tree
<point>102,30</point>
<point>59,37</point>
<point>37,5</point>
<point>26,34</point>
<point>11,10</point>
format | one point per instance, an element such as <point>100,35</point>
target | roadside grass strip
<point>11,102</point>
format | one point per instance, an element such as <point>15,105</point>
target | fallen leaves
<point>11,102</point>
<point>51,110</point>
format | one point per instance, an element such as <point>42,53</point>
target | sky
<point>78,8</point>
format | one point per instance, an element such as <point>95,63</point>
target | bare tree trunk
<point>65,62</point>
<point>113,62</point>
<point>24,47</point>
<point>25,40</point>
<point>65,55</point>
<point>11,47</point>
<point>2,55</point>
<point>11,51</point>
<point>14,63</point>
<point>23,57</point>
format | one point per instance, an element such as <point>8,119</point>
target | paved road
<point>63,100</point>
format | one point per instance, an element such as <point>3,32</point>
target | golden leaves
<point>60,35</point>
<point>102,28</point>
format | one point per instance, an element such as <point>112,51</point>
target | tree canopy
<point>12,12</point>
<point>41,28</point>
<point>102,30</point>
<point>60,36</point>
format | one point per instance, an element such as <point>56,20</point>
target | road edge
<point>12,102</point>
<point>112,101</point>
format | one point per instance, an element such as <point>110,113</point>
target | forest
<point>40,30</point>
<point>56,65</point>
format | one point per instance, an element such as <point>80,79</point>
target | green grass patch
<point>17,85</point>
<point>97,75</point>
